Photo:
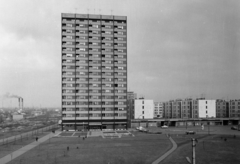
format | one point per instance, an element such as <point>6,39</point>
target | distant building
<point>158,109</point>
<point>143,109</point>
<point>234,108</point>
<point>37,113</point>
<point>131,96</point>
<point>222,109</point>
<point>187,108</point>
<point>17,117</point>
<point>207,108</point>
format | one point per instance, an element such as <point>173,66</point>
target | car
<point>141,129</point>
<point>234,128</point>
<point>190,132</point>
<point>164,126</point>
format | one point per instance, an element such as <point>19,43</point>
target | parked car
<point>141,129</point>
<point>165,126</point>
<point>190,132</point>
<point>234,128</point>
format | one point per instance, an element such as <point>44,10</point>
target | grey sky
<point>176,48</point>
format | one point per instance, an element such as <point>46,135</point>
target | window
<point>69,55</point>
<point>206,107</point>
<point>82,32</point>
<point>69,25</point>
<point>142,107</point>
<point>142,112</point>
<point>94,49</point>
<point>107,56</point>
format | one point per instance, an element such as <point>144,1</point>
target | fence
<point>25,135</point>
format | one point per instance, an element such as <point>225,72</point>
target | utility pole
<point>193,150</point>
<point>208,127</point>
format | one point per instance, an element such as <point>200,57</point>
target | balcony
<point>68,118</point>
<point>81,118</point>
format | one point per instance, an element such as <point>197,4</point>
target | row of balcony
<point>93,118</point>
<point>94,24</point>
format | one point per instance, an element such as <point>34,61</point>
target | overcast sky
<point>176,48</point>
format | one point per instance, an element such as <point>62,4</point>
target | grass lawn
<point>213,149</point>
<point>141,149</point>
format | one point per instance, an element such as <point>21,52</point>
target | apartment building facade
<point>234,108</point>
<point>94,71</point>
<point>158,109</point>
<point>185,109</point>
<point>143,109</point>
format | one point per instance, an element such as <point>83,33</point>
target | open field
<point>210,149</point>
<point>143,148</point>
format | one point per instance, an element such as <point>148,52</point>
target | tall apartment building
<point>94,71</point>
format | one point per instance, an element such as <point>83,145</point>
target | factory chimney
<point>19,102</point>
<point>22,103</point>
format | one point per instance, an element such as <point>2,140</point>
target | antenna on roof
<point>100,11</point>
<point>87,11</point>
<point>111,12</point>
<point>75,10</point>
<point>94,11</point>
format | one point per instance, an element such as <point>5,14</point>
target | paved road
<point>26,148</point>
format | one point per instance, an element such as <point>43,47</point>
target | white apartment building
<point>158,109</point>
<point>143,109</point>
<point>207,108</point>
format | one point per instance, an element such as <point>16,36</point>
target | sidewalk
<point>167,153</point>
<point>26,148</point>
